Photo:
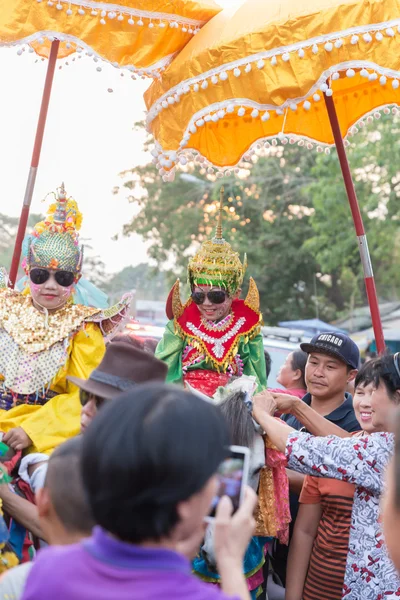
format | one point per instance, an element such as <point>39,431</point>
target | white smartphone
<point>232,475</point>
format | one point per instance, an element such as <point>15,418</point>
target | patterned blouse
<point>370,574</point>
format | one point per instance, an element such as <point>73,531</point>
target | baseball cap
<point>337,344</point>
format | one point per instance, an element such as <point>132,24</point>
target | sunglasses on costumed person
<point>40,276</point>
<point>214,296</point>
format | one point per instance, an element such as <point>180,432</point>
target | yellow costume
<point>38,349</point>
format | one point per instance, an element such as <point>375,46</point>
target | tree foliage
<point>149,284</point>
<point>289,212</point>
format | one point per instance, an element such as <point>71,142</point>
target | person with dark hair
<point>292,374</point>
<point>369,571</point>
<point>149,466</point>
<point>63,510</point>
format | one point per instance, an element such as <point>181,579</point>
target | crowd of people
<point>111,446</point>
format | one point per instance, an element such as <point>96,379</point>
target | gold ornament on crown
<point>216,263</point>
<point>54,243</point>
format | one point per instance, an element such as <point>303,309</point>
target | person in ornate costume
<point>46,335</point>
<point>215,335</point>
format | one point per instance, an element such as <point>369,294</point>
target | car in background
<point>279,342</point>
<point>143,330</point>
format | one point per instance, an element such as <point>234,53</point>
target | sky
<point>89,140</point>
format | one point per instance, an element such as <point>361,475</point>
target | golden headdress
<point>54,243</point>
<point>216,263</point>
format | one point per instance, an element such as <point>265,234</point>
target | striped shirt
<point>370,574</point>
<point>327,566</point>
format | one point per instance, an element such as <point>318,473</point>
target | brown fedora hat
<point>123,366</point>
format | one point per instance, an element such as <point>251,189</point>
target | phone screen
<point>231,479</point>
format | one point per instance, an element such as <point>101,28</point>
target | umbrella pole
<point>23,221</point>
<point>359,226</point>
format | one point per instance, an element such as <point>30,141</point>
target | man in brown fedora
<point>124,365</point>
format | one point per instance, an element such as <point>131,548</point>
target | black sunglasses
<point>84,397</point>
<point>214,296</point>
<point>63,278</point>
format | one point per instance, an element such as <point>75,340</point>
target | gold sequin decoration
<point>266,524</point>
<point>253,297</point>
<point>33,330</point>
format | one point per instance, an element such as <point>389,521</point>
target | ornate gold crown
<point>54,243</point>
<point>216,263</point>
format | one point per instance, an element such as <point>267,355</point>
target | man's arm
<point>296,481</point>
<point>301,547</point>
<point>21,510</point>
<point>312,421</point>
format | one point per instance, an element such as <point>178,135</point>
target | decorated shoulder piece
<point>216,264</point>
<point>112,319</point>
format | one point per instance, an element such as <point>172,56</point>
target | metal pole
<point>316,297</point>
<point>359,226</point>
<point>34,162</point>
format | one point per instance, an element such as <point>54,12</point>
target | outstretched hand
<point>17,439</point>
<point>263,403</point>
<point>285,403</point>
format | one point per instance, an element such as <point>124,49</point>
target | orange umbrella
<point>280,72</point>
<point>141,36</point>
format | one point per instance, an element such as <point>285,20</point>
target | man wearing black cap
<point>333,361</point>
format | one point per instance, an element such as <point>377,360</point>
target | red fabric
<point>206,381</point>
<point>277,462</point>
<point>192,316</point>
<point>26,493</point>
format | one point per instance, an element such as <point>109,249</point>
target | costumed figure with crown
<point>214,336</point>
<point>51,329</point>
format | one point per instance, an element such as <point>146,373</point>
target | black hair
<point>65,485</point>
<point>387,371</point>
<point>239,419</point>
<point>153,447</point>
<point>268,363</point>
<point>299,361</point>
<point>366,374</point>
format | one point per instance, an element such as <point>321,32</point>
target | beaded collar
<point>218,344</point>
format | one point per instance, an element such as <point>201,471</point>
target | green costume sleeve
<point>252,355</point>
<point>170,350</point>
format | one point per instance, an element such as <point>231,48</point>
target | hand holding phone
<point>232,476</point>
<point>232,532</point>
